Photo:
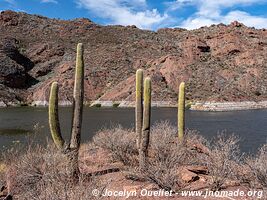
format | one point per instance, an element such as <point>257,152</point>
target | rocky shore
<point>197,106</point>
<point>228,106</point>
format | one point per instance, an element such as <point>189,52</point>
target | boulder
<point>187,176</point>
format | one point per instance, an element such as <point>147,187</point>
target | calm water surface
<point>17,124</point>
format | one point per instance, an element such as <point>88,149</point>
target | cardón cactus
<point>146,124</point>
<point>78,95</point>
<point>181,111</point>
<point>72,149</point>
<point>139,106</point>
<point>53,116</point>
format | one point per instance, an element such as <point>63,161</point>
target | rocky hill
<point>220,63</point>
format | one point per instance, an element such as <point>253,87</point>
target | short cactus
<point>143,151</point>
<point>181,111</point>
<point>53,116</point>
<point>139,106</point>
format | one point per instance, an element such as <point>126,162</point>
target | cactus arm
<point>78,95</point>
<point>139,106</point>
<point>53,116</point>
<point>181,111</point>
<point>146,124</point>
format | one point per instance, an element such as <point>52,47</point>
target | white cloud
<point>11,2</point>
<point>126,12</point>
<point>49,1</point>
<point>210,12</point>
<point>243,17</point>
<point>193,23</point>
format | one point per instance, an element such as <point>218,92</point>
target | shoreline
<point>211,106</point>
<point>228,106</point>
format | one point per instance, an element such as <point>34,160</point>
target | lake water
<point>17,124</point>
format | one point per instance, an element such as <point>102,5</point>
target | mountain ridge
<point>218,63</point>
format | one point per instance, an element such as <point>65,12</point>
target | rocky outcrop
<point>225,63</point>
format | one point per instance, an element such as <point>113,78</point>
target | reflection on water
<point>10,131</point>
<point>15,123</point>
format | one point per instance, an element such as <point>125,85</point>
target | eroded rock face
<point>221,63</point>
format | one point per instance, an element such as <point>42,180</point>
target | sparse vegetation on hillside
<point>43,173</point>
<point>221,62</point>
<point>167,155</point>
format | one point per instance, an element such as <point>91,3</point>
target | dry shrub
<point>166,155</point>
<point>166,149</point>
<point>258,168</point>
<point>2,170</point>
<point>43,174</point>
<point>120,142</point>
<point>223,159</point>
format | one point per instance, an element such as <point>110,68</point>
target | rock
<point>236,24</point>
<point>133,188</point>
<point>2,104</point>
<point>3,191</point>
<point>8,197</point>
<point>220,63</point>
<point>186,175</point>
<point>4,194</point>
<point>163,104</point>
<point>124,104</point>
<point>11,73</point>
<point>9,18</point>
<point>2,167</point>
<point>65,103</point>
<point>102,103</point>
<point>201,148</point>
<point>40,103</point>
<point>229,106</point>
<point>198,169</point>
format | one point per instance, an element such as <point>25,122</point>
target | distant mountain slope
<point>221,63</point>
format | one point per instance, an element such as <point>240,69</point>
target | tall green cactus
<point>78,95</point>
<point>181,111</point>
<point>139,106</point>
<point>143,151</point>
<point>53,116</point>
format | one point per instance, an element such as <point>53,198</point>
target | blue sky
<point>149,14</point>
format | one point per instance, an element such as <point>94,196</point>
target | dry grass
<point>223,159</point>
<point>258,168</point>
<point>43,174</point>
<point>166,154</point>
<point>120,142</point>
<point>2,171</point>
